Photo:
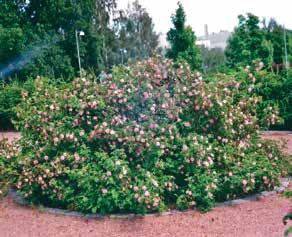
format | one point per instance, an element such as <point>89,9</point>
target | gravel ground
<point>281,136</point>
<point>258,218</point>
<point>9,135</point>
<point>254,218</point>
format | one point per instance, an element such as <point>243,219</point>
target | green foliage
<point>131,36</point>
<point>152,136</point>
<point>250,42</point>
<point>276,90</point>
<point>35,21</point>
<point>136,38</point>
<point>288,194</point>
<point>12,42</point>
<point>247,43</point>
<point>10,12</point>
<point>53,63</point>
<point>213,59</point>
<point>275,34</point>
<point>7,166</point>
<point>182,41</point>
<point>10,97</point>
<point>286,219</point>
<point>273,89</point>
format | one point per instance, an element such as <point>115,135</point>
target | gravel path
<point>9,135</point>
<point>254,218</point>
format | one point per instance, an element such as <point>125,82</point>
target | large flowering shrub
<point>273,89</point>
<point>151,136</point>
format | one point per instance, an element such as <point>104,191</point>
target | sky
<point>217,14</point>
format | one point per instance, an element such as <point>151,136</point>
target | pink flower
<point>244,182</point>
<point>56,140</point>
<point>155,183</point>
<point>136,188</point>
<point>35,162</point>
<point>197,107</point>
<point>187,124</point>
<point>185,148</point>
<point>104,190</point>
<point>118,162</point>
<point>76,157</point>
<point>146,194</point>
<point>108,173</point>
<point>153,125</point>
<point>198,163</point>
<point>146,95</point>
<point>193,203</point>
<point>206,163</point>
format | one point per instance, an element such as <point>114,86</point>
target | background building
<point>214,40</point>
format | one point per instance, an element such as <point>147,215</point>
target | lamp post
<point>285,48</point>
<point>78,33</point>
<point>123,53</point>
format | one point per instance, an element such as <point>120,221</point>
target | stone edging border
<point>284,183</point>
<point>276,132</point>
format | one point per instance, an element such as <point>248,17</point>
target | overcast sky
<point>218,14</point>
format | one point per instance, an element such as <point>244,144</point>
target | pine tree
<point>182,41</point>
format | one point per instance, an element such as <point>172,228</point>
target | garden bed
<point>153,136</point>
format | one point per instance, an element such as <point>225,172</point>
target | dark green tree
<point>275,34</point>
<point>11,14</point>
<point>90,16</point>
<point>32,23</point>
<point>248,43</point>
<point>182,40</point>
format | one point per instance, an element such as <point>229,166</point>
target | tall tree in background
<point>182,40</point>
<point>13,38</point>
<point>248,43</point>
<point>135,33</point>
<point>213,59</point>
<point>275,34</point>
<point>35,21</point>
<point>90,16</point>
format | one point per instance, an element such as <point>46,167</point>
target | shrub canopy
<point>150,137</point>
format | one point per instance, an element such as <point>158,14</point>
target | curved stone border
<point>284,183</point>
<point>276,132</point>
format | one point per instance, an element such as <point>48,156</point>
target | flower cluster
<point>152,136</point>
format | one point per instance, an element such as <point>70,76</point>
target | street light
<point>123,52</point>
<point>80,33</point>
<point>285,49</point>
